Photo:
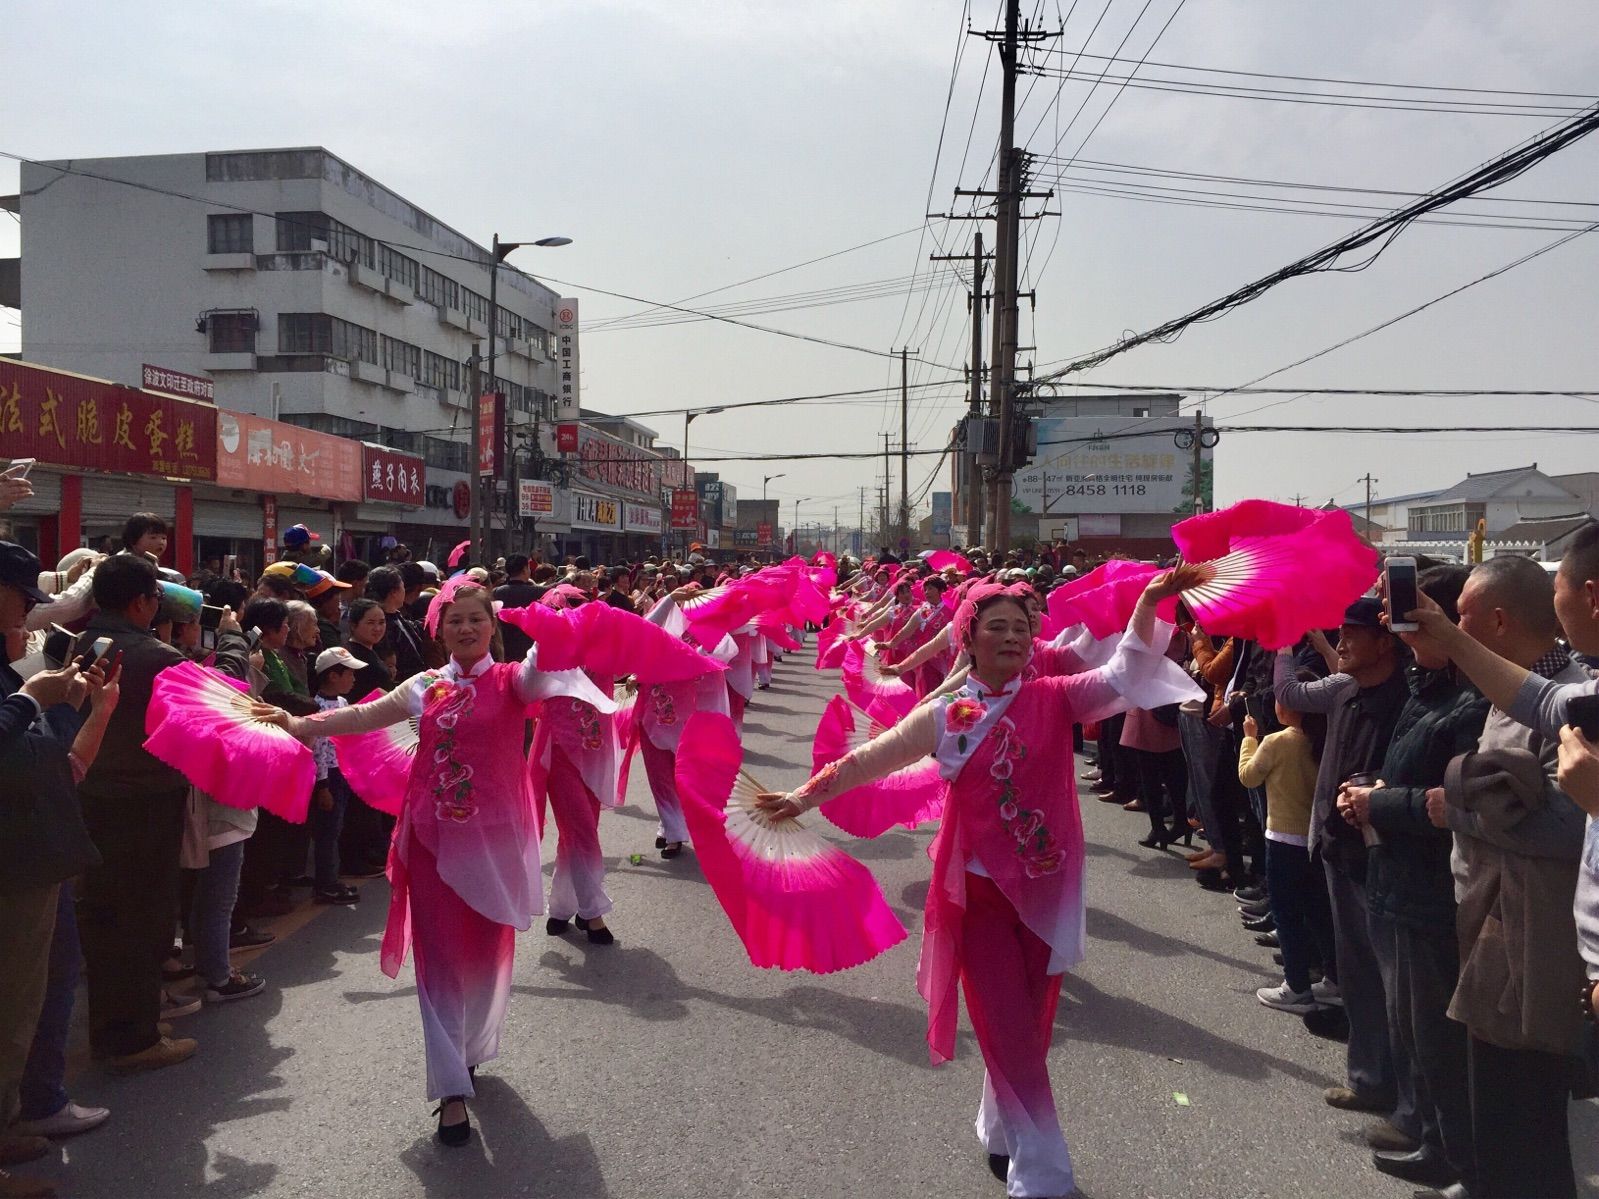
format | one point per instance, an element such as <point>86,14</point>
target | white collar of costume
<point>965,718</point>
<point>454,672</point>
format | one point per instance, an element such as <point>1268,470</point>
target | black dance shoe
<point>999,1166</point>
<point>557,928</point>
<point>453,1135</point>
<point>597,936</point>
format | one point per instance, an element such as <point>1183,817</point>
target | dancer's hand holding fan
<point>796,901</point>
<point>1283,570</point>
<point>226,744</point>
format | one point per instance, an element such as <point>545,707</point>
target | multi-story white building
<point>309,292</point>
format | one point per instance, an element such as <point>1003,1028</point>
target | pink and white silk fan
<point>377,765</point>
<point>1282,570</point>
<point>906,798</point>
<point>199,723</point>
<point>796,901</point>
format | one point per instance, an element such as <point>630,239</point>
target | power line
<point>1378,234</point>
<point>1483,91</point>
<point>1303,96</point>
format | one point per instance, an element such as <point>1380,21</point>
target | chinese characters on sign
<point>566,439</point>
<point>269,526</point>
<point>535,499</point>
<point>194,387</point>
<point>594,511</point>
<point>641,518</point>
<point>685,508</point>
<point>267,455</point>
<point>68,420</point>
<point>567,403</point>
<point>763,535</point>
<point>612,462</point>
<point>490,433</point>
<point>1108,464</point>
<point>392,476</point>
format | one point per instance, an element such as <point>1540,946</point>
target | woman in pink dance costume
<point>1005,910</point>
<point>464,865</point>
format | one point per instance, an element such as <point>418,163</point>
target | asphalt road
<point>666,1066</point>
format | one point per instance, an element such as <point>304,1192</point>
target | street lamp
<point>767,480</point>
<point>500,250</point>
<point>688,419</point>
<point>797,503</point>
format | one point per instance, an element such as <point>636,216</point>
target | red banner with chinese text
<point>392,476</point>
<point>685,508</point>
<point>267,455</point>
<point>490,433</point>
<point>89,424</point>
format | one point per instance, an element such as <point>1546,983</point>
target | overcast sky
<point>689,146</point>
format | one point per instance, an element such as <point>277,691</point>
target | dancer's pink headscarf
<point>965,620</point>
<point>443,597</point>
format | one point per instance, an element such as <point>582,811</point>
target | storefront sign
<point>566,439</point>
<point>392,476</point>
<point>713,539</point>
<point>641,518</point>
<point>567,402</point>
<point>1111,465</point>
<point>490,433</point>
<point>595,511</point>
<point>763,535</point>
<point>745,539</point>
<point>685,508</point>
<point>69,420</point>
<point>267,455</point>
<point>176,383</point>
<point>943,510</point>
<point>269,526</point>
<point>535,498</point>
<point>611,462</point>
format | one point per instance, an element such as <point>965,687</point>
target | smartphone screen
<point>210,616</point>
<point>19,468</point>
<point>1401,575</point>
<point>97,651</point>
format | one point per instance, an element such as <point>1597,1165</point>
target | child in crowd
<point>334,677</point>
<point>1285,764</point>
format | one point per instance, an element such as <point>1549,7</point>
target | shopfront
<point>104,451</point>
<point>596,527</point>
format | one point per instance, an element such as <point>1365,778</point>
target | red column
<point>69,527</point>
<point>182,539</point>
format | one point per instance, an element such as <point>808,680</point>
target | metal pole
<point>494,319</point>
<point>974,483</point>
<point>689,476</point>
<point>475,374</point>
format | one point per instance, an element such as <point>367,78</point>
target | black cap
<point>1364,613</point>
<point>20,569</point>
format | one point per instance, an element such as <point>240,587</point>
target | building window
<point>231,332</point>
<point>444,455</point>
<point>398,267</point>
<point>437,289</point>
<point>402,358</point>
<point>230,233</point>
<point>319,333</point>
<point>297,230</point>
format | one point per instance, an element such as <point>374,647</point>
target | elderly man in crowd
<point>1362,701</point>
<point>1521,874</point>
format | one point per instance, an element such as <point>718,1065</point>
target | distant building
<point>1502,498</point>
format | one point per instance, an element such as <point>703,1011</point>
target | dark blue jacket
<point>43,839</point>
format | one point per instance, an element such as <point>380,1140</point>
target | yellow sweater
<point>1285,765</point>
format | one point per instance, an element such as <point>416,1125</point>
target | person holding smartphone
<point>44,842</point>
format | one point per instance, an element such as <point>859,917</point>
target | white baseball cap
<point>337,656</point>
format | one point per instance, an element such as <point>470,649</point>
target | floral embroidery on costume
<point>452,778</point>
<point>1035,844</point>
<point>661,704</point>
<point>588,723</point>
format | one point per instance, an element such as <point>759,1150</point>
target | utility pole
<point>1003,358</point>
<point>904,447</point>
<point>474,371</point>
<point>888,479</point>
<point>1199,462</point>
<point>862,517</point>
<point>974,412</point>
<point>1369,482</point>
